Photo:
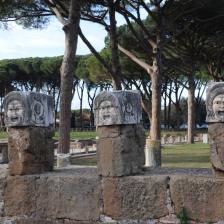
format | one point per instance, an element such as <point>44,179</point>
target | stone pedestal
<point>63,160</point>
<point>31,150</point>
<point>216,141</point>
<point>120,147</point>
<point>215,119</point>
<point>120,150</point>
<point>205,138</point>
<point>29,117</point>
<point>152,153</point>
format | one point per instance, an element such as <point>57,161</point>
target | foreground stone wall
<point>79,196</point>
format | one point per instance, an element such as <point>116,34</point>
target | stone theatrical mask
<point>215,102</point>
<point>28,109</point>
<point>117,107</point>
<point>15,112</point>
<point>218,106</point>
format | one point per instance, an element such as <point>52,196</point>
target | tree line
<point>42,75</point>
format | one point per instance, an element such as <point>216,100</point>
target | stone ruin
<point>28,109</point>
<point>29,118</point>
<point>117,108</point>
<point>215,118</point>
<point>80,196</point>
<point>120,147</point>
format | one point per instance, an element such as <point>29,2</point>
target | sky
<point>17,42</point>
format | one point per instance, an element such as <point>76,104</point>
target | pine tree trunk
<point>165,112</point>
<point>116,70</point>
<point>156,107</point>
<point>169,110</point>
<point>67,71</point>
<point>191,110</point>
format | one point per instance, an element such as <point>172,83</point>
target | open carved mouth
<point>106,117</point>
<point>221,113</point>
<point>14,119</point>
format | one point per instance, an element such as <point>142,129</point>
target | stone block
<point>117,107</point>
<point>202,197</point>
<point>216,141</point>
<point>20,195</point>
<point>28,109</point>
<point>135,197</point>
<point>53,196</point>
<point>31,150</point>
<point>120,150</point>
<point>52,221</point>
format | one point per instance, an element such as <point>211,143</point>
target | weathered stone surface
<point>31,150</point>
<point>3,175</point>
<point>120,150</point>
<point>57,195</point>
<point>2,185</point>
<point>216,141</point>
<point>73,198</point>
<point>135,197</point>
<point>22,220</point>
<point>117,107</point>
<point>20,196</point>
<point>28,108</point>
<point>202,197</point>
<point>52,221</point>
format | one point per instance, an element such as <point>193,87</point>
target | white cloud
<point>18,42</point>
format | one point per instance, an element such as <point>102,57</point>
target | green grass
<point>84,161</point>
<point>79,135</point>
<point>3,135</point>
<point>73,135</point>
<point>186,156</point>
<point>177,156</point>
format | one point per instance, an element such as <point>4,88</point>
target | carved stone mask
<point>117,107</point>
<point>15,112</point>
<point>28,109</point>
<point>218,106</point>
<point>107,112</point>
<point>215,102</point>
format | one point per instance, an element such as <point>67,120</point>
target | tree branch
<point>141,63</point>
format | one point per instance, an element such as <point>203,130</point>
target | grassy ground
<point>181,156</point>
<point>90,161</point>
<point>92,134</point>
<point>3,135</point>
<point>73,135</point>
<point>186,156</point>
<point>80,135</point>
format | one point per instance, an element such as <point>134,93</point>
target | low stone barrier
<point>78,195</point>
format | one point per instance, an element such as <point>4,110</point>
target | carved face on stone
<point>218,106</point>
<point>15,112</point>
<point>107,112</point>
